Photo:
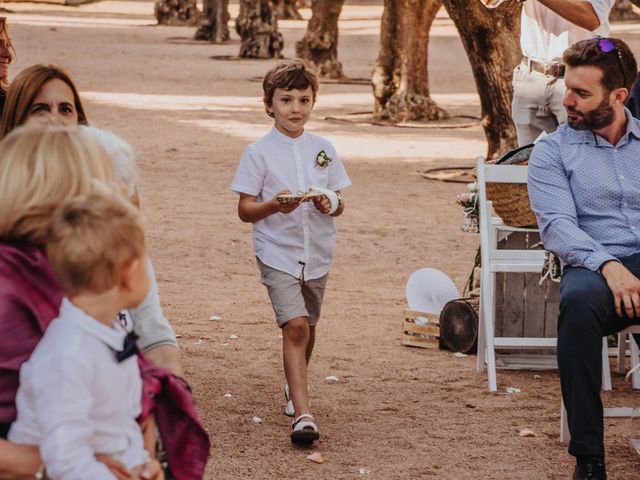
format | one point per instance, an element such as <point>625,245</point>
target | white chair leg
<point>635,359</point>
<point>565,436</point>
<point>606,368</point>
<point>488,279</point>
<point>482,344</point>
<point>622,351</point>
<point>491,368</point>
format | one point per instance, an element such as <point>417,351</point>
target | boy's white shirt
<point>75,400</point>
<point>305,237</point>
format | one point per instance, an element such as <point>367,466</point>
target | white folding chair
<point>626,341</point>
<point>494,260</point>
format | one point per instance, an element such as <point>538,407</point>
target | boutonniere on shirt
<point>322,160</point>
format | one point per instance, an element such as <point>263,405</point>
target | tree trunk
<point>319,46</point>
<point>214,24</point>
<point>491,39</point>
<point>257,26</point>
<point>288,9</point>
<point>177,12</point>
<point>400,78</point>
<point>623,10</point>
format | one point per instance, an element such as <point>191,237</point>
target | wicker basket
<point>511,200</point>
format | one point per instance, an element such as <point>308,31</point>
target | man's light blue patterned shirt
<point>585,193</point>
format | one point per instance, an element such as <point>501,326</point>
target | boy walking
<point>80,392</point>
<point>293,238</point>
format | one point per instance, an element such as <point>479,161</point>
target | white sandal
<point>305,430</point>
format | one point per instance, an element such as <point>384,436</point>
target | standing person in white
<point>293,239</point>
<point>548,28</point>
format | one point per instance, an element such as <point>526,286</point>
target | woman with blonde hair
<point>39,169</point>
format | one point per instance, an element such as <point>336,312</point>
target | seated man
<point>584,187</point>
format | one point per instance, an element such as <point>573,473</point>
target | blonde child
<point>293,238</point>
<point>80,392</point>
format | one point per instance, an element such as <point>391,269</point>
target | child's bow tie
<point>129,349</point>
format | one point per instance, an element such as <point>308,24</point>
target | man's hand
<point>625,287</point>
<point>322,204</point>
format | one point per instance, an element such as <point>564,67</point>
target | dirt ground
<point>396,412</point>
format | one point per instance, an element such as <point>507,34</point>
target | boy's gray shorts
<point>292,298</point>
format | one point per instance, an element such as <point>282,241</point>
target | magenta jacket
<point>185,440</point>
<point>29,301</point>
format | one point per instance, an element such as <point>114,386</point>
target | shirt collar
<point>112,337</point>
<point>278,135</point>
<point>632,124</point>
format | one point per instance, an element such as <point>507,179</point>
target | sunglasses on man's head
<point>608,45</point>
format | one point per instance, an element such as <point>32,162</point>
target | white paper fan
<point>429,290</point>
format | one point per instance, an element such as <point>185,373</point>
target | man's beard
<point>596,119</point>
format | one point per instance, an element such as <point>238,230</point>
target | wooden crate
<point>416,335</point>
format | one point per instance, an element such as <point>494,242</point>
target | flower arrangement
<point>469,203</point>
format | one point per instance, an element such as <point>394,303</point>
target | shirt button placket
<point>305,212</point>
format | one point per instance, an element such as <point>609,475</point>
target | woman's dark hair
<point>24,89</point>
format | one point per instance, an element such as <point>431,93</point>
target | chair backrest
<point>491,173</point>
<point>502,173</point>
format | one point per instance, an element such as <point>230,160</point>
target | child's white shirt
<point>304,238</point>
<point>75,400</point>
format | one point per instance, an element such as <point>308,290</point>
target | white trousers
<point>537,104</point>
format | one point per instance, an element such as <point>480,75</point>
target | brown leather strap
<point>548,69</point>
